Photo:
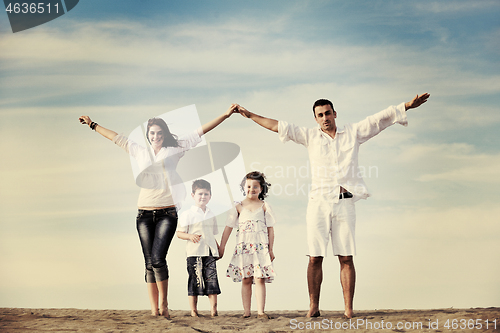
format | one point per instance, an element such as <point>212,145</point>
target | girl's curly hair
<point>261,178</point>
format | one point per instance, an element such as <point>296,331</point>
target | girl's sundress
<point>251,254</point>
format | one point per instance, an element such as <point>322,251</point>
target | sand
<point>77,320</point>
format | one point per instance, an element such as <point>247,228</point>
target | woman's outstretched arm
<point>214,123</point>
<point>109,134</point>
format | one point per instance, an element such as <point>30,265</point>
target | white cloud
<point>280,78</point>
<point>455,6</point>
<point>458,162</point>
<point>124,54</point>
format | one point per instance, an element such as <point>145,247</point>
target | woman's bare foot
<point>194,313</point>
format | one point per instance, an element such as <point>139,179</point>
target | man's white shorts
<point>336,220</point>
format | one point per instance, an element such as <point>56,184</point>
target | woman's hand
<point>85,120</point>
<point>232,109</point>
<point>108,134</point>
<point>271,254</point>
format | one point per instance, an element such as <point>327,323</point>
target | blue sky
<point>427,238</point>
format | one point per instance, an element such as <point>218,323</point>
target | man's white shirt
<point>334,162</point>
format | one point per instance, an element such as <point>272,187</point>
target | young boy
<point>198,226</point>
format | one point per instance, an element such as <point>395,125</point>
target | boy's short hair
<point>201,184</point>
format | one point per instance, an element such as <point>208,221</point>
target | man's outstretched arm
<point>270,124</point>
<point>417,101</point>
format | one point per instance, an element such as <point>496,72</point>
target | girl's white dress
<point>251,254</point>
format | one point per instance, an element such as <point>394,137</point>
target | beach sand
<point>77,320</point>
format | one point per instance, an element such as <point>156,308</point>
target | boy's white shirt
<point>195,221</point>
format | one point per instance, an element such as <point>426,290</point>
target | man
<point>336,185</point>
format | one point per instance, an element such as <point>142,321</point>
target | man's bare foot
<point>194,313</point>
<point>313,313</point>
<point>348,314</point>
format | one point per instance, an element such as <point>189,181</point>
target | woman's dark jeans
<point>156,229</point>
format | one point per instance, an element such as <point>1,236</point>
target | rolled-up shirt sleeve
<point>190,140</point>
<point>183,223</point>
<point>129,146</point>
<point>292,132</point>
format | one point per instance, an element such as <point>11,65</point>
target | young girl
<point>253,255</point>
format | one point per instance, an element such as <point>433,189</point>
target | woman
<point>157,216</point>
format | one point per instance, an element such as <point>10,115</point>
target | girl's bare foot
<point>164,313</point>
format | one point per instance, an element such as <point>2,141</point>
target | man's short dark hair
<point>321,102</point>
<point>201,184</point>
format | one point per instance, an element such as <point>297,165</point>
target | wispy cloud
<point>97,56</point>
<point>73,180</point>
<point>458,162</point>
<point>455,6</point>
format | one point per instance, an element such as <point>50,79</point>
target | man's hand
<point>244,112</point>
<point>417,101</point>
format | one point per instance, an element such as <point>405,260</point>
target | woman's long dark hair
<point>261,178</point>
<point>169,139</point>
